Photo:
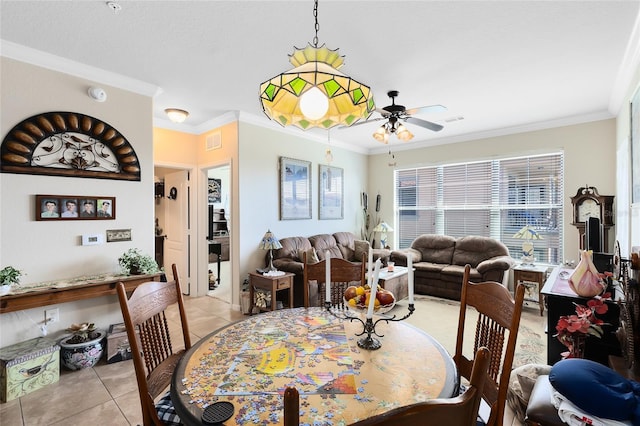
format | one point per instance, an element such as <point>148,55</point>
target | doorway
<point>219,229</point>
<point>173,223</point>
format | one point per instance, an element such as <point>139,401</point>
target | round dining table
<point>251,362</point>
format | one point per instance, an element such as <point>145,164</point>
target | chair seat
<point>166,411</point>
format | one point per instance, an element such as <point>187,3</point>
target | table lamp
<point>383,228</point>
<point>527,233</point>
<point>270,242</point>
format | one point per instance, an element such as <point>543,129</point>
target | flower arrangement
<point>83,332</point>
<point>571,329</point>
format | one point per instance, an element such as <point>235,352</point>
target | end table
<point>272,284</point>
<point>532,278</point>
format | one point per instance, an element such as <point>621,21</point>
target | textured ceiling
<point>502,65</point>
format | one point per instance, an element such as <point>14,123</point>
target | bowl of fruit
<point>357,298</point>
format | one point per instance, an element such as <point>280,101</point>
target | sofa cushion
<point>346,243</point>
<point>324,242</point>
<point>312,256</point>
<point>429,267</point>
<point>435,248</point>
<point>291,246</point>
<point>454,273</point>
<point>473,250</point>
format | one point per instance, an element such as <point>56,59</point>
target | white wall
<point>52,250</point>
<point>589,149</point>
<point>259,153</point>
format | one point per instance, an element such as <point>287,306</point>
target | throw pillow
<point>521,383</point>
<point>597,389</point>
<point>361,249</point>
<point>312,256</point>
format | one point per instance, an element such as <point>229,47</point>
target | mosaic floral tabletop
<point>251,362</point>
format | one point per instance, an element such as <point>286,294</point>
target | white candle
<point>370,266</point>
<point>374,286</point>
<point>327,277</point>
<point>410,270</point>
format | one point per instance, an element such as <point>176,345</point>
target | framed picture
<point>635,148</point>
<point>295,189</point>
<point>74,207</point>
<point>330,192</point>
<point>215,190</point>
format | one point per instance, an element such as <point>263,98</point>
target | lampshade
<point>527,233</point>
<point>314,93</point>
<point>269,241</point>
<point>176,115</point>
<point>383,227</point>
<point>403,134</point>
<point>381,135</point>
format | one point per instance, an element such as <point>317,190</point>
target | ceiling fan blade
<point>426,109</point>
<point>383,112</point>
<point>363,122</point>
<point>426,124</point>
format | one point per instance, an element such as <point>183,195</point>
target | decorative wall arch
<point>68,144</point>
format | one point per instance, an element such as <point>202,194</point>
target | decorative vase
<point>76,356</point>
<point>585,280</point>
<point>5,289</point>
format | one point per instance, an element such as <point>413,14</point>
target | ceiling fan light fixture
<point>176,115</point>
<point>381,134</point>
<point>284,97</point>
<point>403,133</point>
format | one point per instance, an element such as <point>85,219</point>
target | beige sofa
<point>343,245</point>
<point>439,262</point>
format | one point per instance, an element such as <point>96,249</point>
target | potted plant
<point>9,276</point>
<point>83,348</point>
<point>133,262</point>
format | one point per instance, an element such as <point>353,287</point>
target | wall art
<point>295,189</point>
<point>74,207</point>
<point>68,144</point>
<point>330,192</point>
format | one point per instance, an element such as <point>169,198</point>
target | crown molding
<point>531,127</point>
<point>67,66</point>
<point>626,70</point>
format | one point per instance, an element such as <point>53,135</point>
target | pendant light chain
<point>317,27</point>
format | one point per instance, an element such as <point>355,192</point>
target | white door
<point>176,247</point>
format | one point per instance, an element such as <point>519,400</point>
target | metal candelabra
<point>369,326</point>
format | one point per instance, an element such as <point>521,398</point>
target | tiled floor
<point>108,393</point>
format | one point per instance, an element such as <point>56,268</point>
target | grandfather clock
<point>588,203</point>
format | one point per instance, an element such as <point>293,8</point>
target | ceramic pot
<point>76,356</point>
<point>4,289</point>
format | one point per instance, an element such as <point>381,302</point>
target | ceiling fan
<point>395,114</point>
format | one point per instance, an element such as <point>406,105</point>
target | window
<point>492,198</point>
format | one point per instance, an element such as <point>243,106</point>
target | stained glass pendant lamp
<point>314,93</point>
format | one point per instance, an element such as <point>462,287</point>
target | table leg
<point>250,299</point>
<point>274,302</point>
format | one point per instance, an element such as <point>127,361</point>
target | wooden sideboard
<point>71,292</point>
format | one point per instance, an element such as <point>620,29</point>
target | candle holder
<point>369,326</point>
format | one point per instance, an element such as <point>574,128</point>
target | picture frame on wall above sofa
<point>74,207</point>
<point>295,189</point>
<point>330,192</point>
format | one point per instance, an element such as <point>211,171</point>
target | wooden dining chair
<point>343,274</point>
<point>461,410</point>
<point>153,353</point>
<point>498,314</point>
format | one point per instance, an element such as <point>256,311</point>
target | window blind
<point>493,198</point>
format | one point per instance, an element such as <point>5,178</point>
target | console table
<point>561,300</point>
<point>70,291</point>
